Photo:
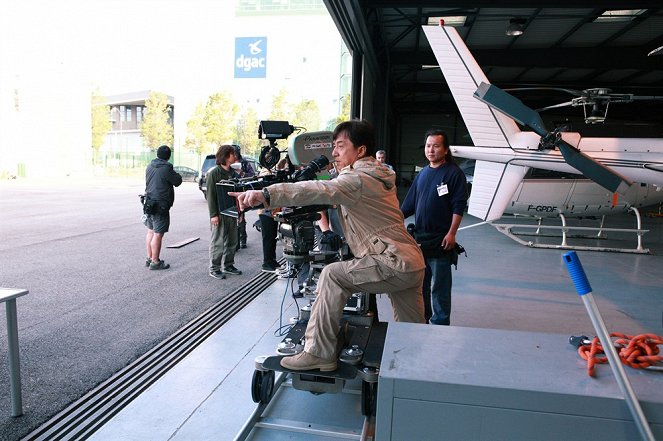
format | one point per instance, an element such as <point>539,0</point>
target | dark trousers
<point>268,229</point>
<point>241,230</point>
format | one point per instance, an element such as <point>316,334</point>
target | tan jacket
<point>369,212</point>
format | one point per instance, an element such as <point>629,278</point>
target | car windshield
<point>208,163</point>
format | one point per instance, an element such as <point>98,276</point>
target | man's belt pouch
<point>154,207</point>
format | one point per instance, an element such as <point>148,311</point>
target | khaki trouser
<point>337,283</point>
<point>223,242</point>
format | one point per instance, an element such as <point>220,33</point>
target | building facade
<point>127,112</point>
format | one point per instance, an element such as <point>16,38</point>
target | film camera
<point>305,159</point>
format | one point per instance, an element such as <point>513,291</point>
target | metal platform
<point>495,385</point>
<point>499,285</point>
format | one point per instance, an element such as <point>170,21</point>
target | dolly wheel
<point>267,387</point>
<point>368,398</point>
<point>256,385</point>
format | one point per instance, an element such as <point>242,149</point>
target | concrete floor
<point>499,285</point>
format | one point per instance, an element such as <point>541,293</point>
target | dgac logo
<point>250,57</point>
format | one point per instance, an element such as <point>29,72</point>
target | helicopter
<point>504,153</point>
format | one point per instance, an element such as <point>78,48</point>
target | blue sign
<point>250,57</point>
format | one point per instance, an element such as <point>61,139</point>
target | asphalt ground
<point>78,246</point>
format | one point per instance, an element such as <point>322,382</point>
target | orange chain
<point>640,351</point>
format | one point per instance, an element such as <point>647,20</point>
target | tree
<point>280,108</point>
<point>247,133</point>
<point>281,112</point>
<point>219,119</point>
<point>101,123</point>
<point>156,128</point>
<point>195,131</point>
<point>306,114</point>
<point>343,116</point>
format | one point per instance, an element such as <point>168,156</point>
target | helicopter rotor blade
<point>514,108</point>
<point>568,103</point>
<point>646,98</point>
<point>510,106</point>
<point>558,89</point>
<point>593,169</point>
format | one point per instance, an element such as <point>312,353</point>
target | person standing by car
<point>160,180</point>
<point>246,171</point>
<point>437,199</point>
<point>224,228</point>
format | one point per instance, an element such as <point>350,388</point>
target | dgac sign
<point>250,57</point>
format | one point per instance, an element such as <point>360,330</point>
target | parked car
<point>188,174</point>
<point>209,162</point>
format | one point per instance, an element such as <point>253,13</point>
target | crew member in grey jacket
<point>387,259</point>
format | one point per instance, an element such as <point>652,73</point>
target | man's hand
<point>449,242</point>
<point>248,199</point>
<point>215,221</point>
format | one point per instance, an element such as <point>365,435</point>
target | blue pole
<point>585,292</point>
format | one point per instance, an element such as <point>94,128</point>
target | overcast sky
<point>184,48</point>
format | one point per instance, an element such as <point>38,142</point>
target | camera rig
<point>305,159</point>
<point>362,336</point>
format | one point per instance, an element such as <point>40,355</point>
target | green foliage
<point>101,123</point>
<point>219,119</point>
<point>343,116</point>
<point>195,131</point>
<point>219,122</point>
<point>306,114</point>
<point>156,128</point>
<point>280,109</point>
<point>214,124</point>
<point>247,133</point>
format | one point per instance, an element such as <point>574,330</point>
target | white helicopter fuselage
<point>550,197</point>
<point>639,159</point>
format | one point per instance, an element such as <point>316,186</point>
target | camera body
<point>297,231</point>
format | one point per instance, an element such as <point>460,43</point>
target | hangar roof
<point>565,44</point>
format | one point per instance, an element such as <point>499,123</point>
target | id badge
<point>442,189</point>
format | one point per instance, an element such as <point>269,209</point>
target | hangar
<point>398,87</point>
<point>576,45</point>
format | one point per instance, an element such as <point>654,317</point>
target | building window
<point>122,114</point>
<point>139,114</point>
<point>128,113</point>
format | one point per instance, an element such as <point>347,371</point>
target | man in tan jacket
<point>387,259</point>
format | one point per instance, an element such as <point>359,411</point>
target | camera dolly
<point>360,345</point>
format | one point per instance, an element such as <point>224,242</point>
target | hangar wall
<point>367,110</point>
<point>409,149</point>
